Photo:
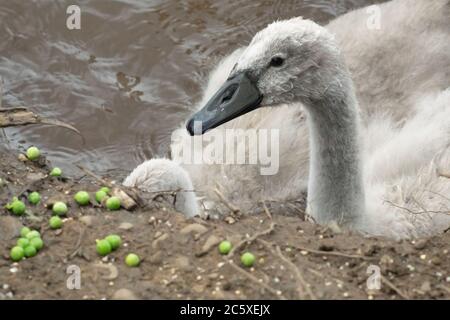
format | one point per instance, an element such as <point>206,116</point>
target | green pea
<point>113,203</point>
<point>17,253</point>
<point>37,243</point>
<point>24,231</point>
<point>33,153</point>
<point>18,207</point>
<point>248,259</point>
<point>100,195</point>
<point>105,190</point>
<point>23,242</point>
<point>59,208</point>
<point>34,197</point>
<point>114,240</point>
<point>33,234</point>
<point>132,260</point>
<point>56,172</point>
<point>103,247</point>
<point>30,251</point>
<point>225,247</point>
<point>82,198</point>
<point>55,222</point>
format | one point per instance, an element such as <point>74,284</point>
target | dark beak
<point>238,96</point>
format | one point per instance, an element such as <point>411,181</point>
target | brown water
<point>130,75</point>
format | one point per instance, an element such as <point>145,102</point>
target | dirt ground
<point>180,260</point>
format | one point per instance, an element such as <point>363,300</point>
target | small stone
<point>157,242</point>
<point>87,220</point>
<point>126,226</point>
<point>124,294</point>
<point>157,234</point>
<point>211,242</point>
<point>9,228</point>
<point>230,220</point>
<point>385,259</point>
<point>182,262</point>
<point>21,157</point>
<point>425,287</point>
<point>156,258</point>
<point>194,228</point>
<point>420,244</point>
<point>436,261</point>
<point>198,288</point>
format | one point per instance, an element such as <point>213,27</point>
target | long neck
<point>335,187</point>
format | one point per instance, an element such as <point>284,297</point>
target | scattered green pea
<point>114,240</point>
<point>113,203</point>
<point>17,253</point>
<point>59,208</point>
<point>29,251</point>
<point>24,231</point>
<point>248,259</point>
<point>37,243</point>
<point>33,153</point>
<point>82,198</point>
<point>100,195</point>
<point>132,260</point>
<point>55,222</point>
<point>34,197</point>
<point>105,190</point>
<point>103,247</point>
<point>225,247</point>
<point>56,172</point>
<point>18,207</point>
<point>33,234</point>
<point>23,242</point>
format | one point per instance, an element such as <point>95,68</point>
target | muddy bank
<point>180,260</point>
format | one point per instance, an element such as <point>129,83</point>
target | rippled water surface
<point>130,75</point>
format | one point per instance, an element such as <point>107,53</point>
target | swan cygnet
<point>298,63</point>
<point>400,77</point>
<point>163,175</point>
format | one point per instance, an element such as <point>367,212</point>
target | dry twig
<point>21,116</point>
<point>331,253</point>
<point>227,203</point>
<point>393,287</point>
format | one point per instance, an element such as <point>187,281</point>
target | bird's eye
<point>276,62</point>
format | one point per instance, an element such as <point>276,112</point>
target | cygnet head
<point>291,61</point>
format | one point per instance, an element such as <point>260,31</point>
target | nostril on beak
<point>228,94</point>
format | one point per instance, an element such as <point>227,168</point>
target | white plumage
<point>401,76</point>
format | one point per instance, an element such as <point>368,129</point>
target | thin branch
<point>302,284</point>
<point>416,212</point>
<point>298,274</point>
<point>255,280</point>
<point>225,201</point>
<point>331,253</point>
<point>395,288</point>
<point>78,244</point>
